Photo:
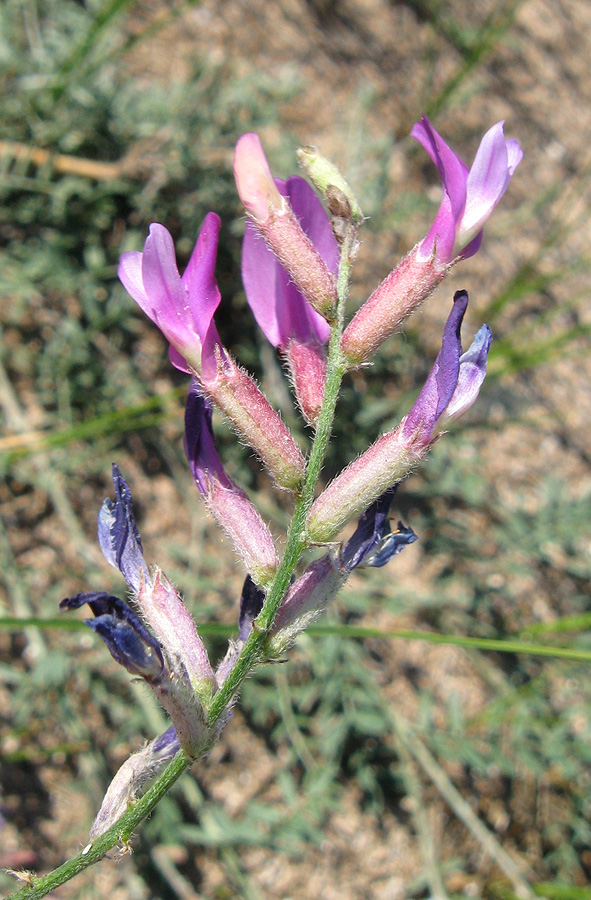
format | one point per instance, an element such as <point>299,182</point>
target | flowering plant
<point>297,256</point>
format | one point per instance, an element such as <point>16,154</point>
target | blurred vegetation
<point>92,152</point>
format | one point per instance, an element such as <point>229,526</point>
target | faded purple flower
<point>455,379</point>
<point>131,778</point>
<point>225,500</point>
<point>182,307</point>
<point>469,195</point>
<point>279,307</point>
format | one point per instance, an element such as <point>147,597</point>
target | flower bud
<point>327,179</point>
<point>304,601</point>
<point>174,627</point>
<point>307,367</point>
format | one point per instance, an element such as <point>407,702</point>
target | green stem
<point>119,834</point>
<point>296,538</point>
<point>252,652</point>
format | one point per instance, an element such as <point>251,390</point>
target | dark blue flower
<point>251,603</point>
<point>129,641</point>
<point>373,543</point>
<point>118,536</point>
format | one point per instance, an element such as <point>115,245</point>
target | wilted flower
<point>131,777</point>
<point>229,504</point>
<point>372,544</point>
<point>172,660</point>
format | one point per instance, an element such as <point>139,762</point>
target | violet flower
<point>228,503</point>
<point>182,307</point>
<point>451,388</point>
<point>469,195</point>
<point>455,379</point>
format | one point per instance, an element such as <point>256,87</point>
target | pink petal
<point>261,276</point>
<point>488,179</point>
<point>130,275</point>
<point>163,285</point>
<point>279,307</point>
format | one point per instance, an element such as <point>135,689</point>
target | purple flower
<point>278,305</point>
<point>182,308</point>
<point>200,448</point>
<point>225,500</point>
<point>469,196</point>
<point>455,379</point>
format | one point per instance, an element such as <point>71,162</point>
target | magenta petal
<point>312,217</point>
<point>178,361</point>
<point>454,174</point>
<point>163,285</point>
<point>279,307</point>
<point>199,276</point>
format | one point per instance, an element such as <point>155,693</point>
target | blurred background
<point>380,767</point>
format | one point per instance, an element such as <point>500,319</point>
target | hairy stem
<point>118,835</point>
